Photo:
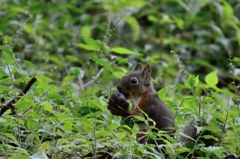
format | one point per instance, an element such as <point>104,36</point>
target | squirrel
<point>138,86</point>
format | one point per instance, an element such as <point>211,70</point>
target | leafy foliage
<point>79,50</point>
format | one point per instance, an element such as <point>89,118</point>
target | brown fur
<point>147,100</point>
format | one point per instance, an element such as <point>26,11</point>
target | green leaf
<point>48,107</point>
<point>45,145</point>
<point>10,136</point>
<point>103,63</point>
<point>134,26</point>
<point>4,88</point>
<point>87,47</point>
<point>121,50</point>
<point>30,64</point>
<point>91,44</point>
<point>67,125</point>
<point>18,157</point>
<point>212,79</point>
<point>23,104</point>
<point>76,71</point>
<point>44,79</point>
<point>3,74</point>
<point>117,74</point>
<point>113,126</point>
<point>39,155</point>
<point>102,133</point>
<point>192,81</point>
<point>209,137</point>
<point>31,124</point>
<point>91,41</point>
<point>228,10</point>
<point>162,93</point>
<point>85,31</point>
<point>7,50</point>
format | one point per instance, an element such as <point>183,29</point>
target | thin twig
<point>94,79</point>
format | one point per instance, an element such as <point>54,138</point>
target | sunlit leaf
<point>30,64</point>
<point>192,81</point>
<point>103,63</point>
<point>32,124</point>
<point>67,125</point>
<point>162,93</point>
<point>121,50</point>
<point>212,79</point>
<point>48,107</point>
<point>134,26</point>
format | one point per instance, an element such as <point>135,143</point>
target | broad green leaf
<point>23,104</point>
<point>28,28</point>
<point>121,50</point>
<point>76,71</point>
<point>48,107</point>
<point>39,155</point>
<point>103,63</point>
<point>91,41</point>
<point>10,136</point>
<point>54,96</point>
<point>121,4</point>
<point>134,26</point>
<point>228,10</point>
<point>153,19</point>
<point>212,79</point>
<point>3,74</point>
<point>85,31</point>
<point>162,93</point>
<point>30,64</point>
<point>67,125</point>
<point>117,74</point>
<point>43,79</point>
<point>4,88</point>
<point>102,133</point>
<point>192,81</point>
<point>88,47</point>
<point>18,157</point>
<point>113,126</point>
<point>45,145</point>
<point>32,125</point>
<point>7,50</point>
<point>91,44</point>
<point>209,137</point>
<point>55,59</point>
<point>180,22</point>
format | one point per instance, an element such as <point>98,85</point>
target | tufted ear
<point>147,72</point>
<point>138,67</point>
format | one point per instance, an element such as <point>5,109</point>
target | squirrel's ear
<point>147,71</point>
<point>138,67</point>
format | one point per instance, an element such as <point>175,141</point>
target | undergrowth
<point>64,114</point>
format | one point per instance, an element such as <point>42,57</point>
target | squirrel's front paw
<point>118,105</point>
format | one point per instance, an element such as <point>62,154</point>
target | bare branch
<point>10,104</point>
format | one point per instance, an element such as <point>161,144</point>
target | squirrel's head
<point>137,82</point>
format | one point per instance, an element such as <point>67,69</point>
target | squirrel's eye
<point>134,81</point>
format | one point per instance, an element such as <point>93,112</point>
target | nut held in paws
<point>120,100</point>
